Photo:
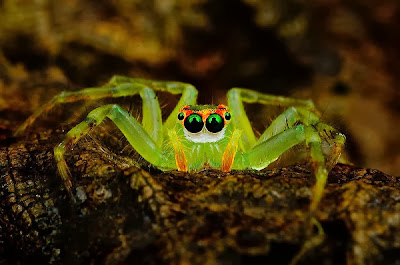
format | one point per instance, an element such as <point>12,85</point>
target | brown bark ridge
<point>130,215</point>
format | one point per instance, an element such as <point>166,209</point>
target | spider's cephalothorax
<point>198,136</point>
<point>204,137</point>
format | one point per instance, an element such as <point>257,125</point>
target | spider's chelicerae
<point>195,136</point>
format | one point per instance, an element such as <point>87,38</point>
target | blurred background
<point>342,54</point>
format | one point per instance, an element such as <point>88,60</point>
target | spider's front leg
<point>271,149</point>
<point>134,132</point>
<point>313,133</point>
<point>295,115</point>
<point>236,97</point>
<point>146,138</point>
<point>284,133</point>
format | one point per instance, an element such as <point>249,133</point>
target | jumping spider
<point>195,136</point>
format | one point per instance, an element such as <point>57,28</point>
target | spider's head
<point>204,123</point>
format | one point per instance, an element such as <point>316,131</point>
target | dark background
<point>342,54</point>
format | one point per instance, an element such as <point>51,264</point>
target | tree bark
<point>130,215</point>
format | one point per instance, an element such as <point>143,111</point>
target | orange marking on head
<point>221,106</point>
<point>204,112</point>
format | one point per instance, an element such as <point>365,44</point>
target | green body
<point>157,141</point>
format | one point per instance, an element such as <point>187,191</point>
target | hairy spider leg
<point>151,128</point>
<point>280,133</point>
<point>298,114</point>
<point>271,149</point>
<point>187,91</point>
<point>314,143</point>
<point>284,131</point>
<point>263,154</point>
<point>134,132</point>
<point>120,86</point>
<point>288,119</point>
<point>314,132</point>
<point>236,97</point>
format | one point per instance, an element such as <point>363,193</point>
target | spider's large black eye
<point>194,123</point>
<point>214,123</point>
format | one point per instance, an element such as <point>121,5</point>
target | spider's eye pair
<point>194,123</point>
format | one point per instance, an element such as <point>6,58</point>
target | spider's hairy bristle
<point>169,144</point>
<point>203,107</point>
<point>164,105</point>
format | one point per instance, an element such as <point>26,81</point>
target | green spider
<point>197,136</point>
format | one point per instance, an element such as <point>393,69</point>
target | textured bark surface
<point>342,54</point>
<point>128,215</point>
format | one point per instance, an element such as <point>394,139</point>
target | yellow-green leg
<point>282,134</point>
<point>313,142</point>
<point>236,97</point>
<point>314,133</point>
<point>134,132</point>
<point>270,150</point>
<point>273,147</point>
<point>294,115</point>
<point>301,111</point>
<point>147,138</point>
<point>120,86</point>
